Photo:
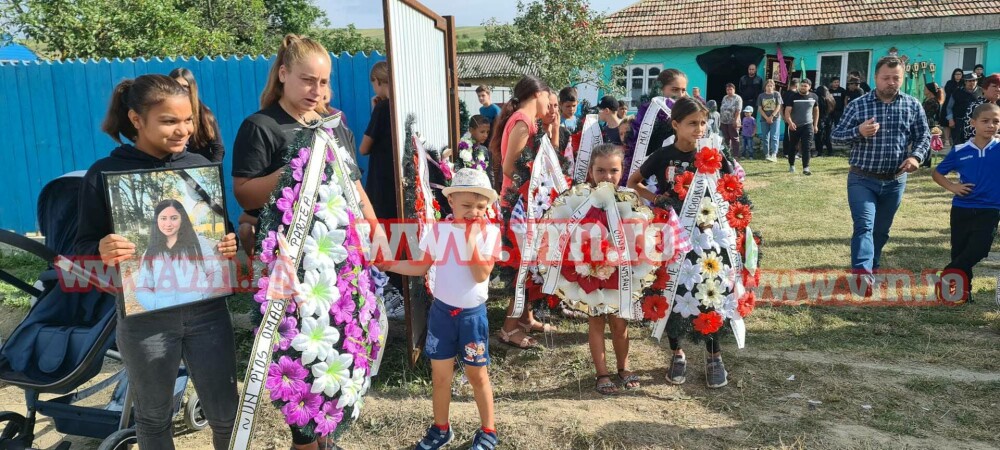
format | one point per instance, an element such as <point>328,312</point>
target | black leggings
<point>300,439</point>
<point>711,344</point>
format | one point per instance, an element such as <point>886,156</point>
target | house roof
<point>649,18</point>
<point>489,65</point>
<point>16,52</point>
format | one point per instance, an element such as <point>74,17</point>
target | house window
<point>640,79</point>
<point>838,64</point>
<point>964,56</point>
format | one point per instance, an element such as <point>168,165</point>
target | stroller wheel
<point>194,416</point>
<point>120,440</point>
<point>11,425</point>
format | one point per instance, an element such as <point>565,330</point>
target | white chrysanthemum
<point>317,293</point>
<point>360,403</point>
<point>707,212</point>
<point>324,248</point>
<point>710,294</point>
<point>481,156</point>
<point>704,241</point>
<point>689,274</point>
<point>721,237</point>
<point>686,305</point>
<point>710,264</point>
<point>465,155</point>
<point>316,338</point>
<point>350,389</point>
<point>332,206</point>
<point>728,277</point>
<point>330,373</point>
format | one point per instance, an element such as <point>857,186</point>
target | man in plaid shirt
<point>888,135</point>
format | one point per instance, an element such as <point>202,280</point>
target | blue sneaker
<point>435,439</point>
<point>484,440</point>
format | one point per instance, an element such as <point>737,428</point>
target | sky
<point>468,13</point>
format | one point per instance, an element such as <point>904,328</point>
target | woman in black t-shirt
<point>292,99</point>
<point>377,144</point>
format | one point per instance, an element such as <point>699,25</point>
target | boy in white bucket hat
<point>456,322</point>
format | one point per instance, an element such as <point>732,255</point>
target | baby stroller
<point>62,342</point>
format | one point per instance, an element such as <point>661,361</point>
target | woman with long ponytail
<point>207,139</point>
<point>517,126</point>
<point>155,114</point>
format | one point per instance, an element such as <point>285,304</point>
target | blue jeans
<point>769,136</point>
<point>873,205</point>
<point>747,146</point>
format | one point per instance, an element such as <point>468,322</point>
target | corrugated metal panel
<point>421,88</point>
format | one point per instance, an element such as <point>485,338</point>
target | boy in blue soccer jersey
<point>975,211</point>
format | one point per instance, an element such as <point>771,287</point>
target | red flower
<point>662,277</point>
<point>741,241</point>
<point>739,216</point>
<point>730,187</point>
<point>437,206</point>
<point>707,323</point>
<point>751,281</point>
<point>708,160</point>
<point>654,307</point>
<point>553,301</point>
<point>682,182</point>
<point>746,304</point>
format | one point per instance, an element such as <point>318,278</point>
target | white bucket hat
<point>471,180</point>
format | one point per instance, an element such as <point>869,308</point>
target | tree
<point>562,40</point>
<point>348,40</point>
<point>131,28</point>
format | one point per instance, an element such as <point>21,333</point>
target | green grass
<point>928,373</point>
<point>23,266</point>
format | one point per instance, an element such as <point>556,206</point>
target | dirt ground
<point>545,399</point>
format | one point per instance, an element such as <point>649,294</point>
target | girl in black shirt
<point>156,114</point>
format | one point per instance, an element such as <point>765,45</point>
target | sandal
<point>629,381</point>
<point>607,387</point>
<point>507,337</point>
<point>543,327</point>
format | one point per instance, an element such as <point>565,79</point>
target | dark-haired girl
<point>175,248</point>
<point>826,106</point>
<point>156,115</point>
<point>689,119</point>
<point>516,125</point>
<point>207,140</point>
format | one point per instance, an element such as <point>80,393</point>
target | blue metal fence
<point>51,112</point>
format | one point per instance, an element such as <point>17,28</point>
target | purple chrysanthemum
<point>288,329</point>
<point>343,310</point>
<point>302,408</point>
<point>286,379</point>
<point>327,419</point>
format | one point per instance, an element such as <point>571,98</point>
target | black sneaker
<point>678,370</point>
<point>715,373</point>
<point>806,171</point>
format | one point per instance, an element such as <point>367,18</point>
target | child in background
<point>689,119</point>
<point>975,210</point>
<point>625,128</point>
<point>488,108</point>
<point>713,118</point>
<point>748,131</point>
<point>456,323</point>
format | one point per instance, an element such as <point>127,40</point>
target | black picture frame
<point>162,276</point>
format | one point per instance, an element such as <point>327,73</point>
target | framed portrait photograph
<point>175,218</point>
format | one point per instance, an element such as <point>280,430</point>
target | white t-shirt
<point>454,284</point>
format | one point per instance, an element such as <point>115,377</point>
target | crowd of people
<point>167,127</point>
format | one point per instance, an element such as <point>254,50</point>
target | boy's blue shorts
<point>452,332</point>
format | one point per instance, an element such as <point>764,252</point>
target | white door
<point>964,56</point>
